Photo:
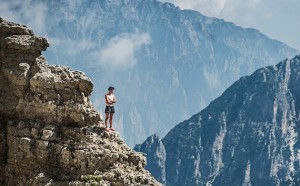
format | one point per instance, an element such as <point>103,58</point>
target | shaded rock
<point>248,136</point>
<point>156,156</point>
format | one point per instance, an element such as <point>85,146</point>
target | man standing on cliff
<point>110,99</point>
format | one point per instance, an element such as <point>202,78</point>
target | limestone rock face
<point>30,88</point>
<point>62,95</point>
<point>247,136</point>
<point>50,134</point>
<point>156,157</point>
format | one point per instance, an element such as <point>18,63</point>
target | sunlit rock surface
<point>50,133</point>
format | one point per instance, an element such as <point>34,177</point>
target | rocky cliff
<point>174,64</point>
<point>50,134</point>
<point>156,157</point>
<point>247,136</point>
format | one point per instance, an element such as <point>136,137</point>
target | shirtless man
<point>110,99</point>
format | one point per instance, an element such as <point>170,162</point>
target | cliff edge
<point>50,133</point>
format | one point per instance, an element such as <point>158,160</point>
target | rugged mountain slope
<point>173,63</point>
<point>156,157</point>
<point>50,134</point>
<point>247,136</point>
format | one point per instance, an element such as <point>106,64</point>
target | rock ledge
<point>50,134</point>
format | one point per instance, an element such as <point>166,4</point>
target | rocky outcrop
<point>248,136</point>
<point>30,88</point>
<point>50,134</point>
<point>181,60</point>
<point>156,157</point>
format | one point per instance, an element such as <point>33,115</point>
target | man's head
<point>111,88</point>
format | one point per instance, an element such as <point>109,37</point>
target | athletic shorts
<point>109,109</point>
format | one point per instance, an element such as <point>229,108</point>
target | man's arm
<point>106,99</point>
<point>115,99</point>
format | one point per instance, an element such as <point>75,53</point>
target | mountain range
<point>165,63</point>
<point>247,136</point>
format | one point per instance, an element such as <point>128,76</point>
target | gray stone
<point>50,133</point>
<point>247,136</point>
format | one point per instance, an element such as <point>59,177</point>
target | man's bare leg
<point>110,120</point>
<point>106,119</point>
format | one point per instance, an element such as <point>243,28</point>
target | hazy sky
<point>278,19</point>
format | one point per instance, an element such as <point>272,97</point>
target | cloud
<point>72,47</point>
<point>243,13</point>
<point>120,50</point>
<point>213,7</point>
<point>212,77</point>
<point>26,12</point>
<point>206,7</point>
<point>118,53</point>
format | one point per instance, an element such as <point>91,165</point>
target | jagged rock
<point>33,89</point>
<point>247,136</point>
<point>184,59</point>
<point>156,157</point>
<point>50,134</point>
